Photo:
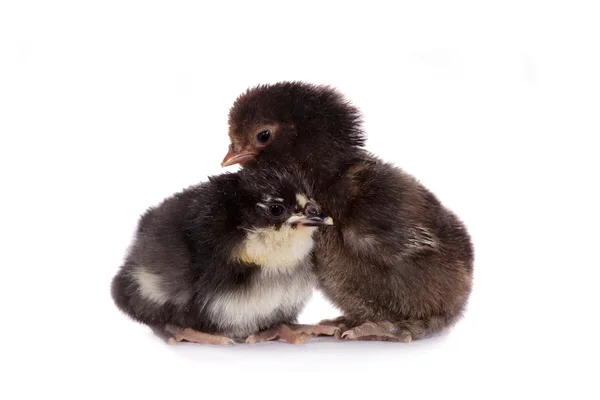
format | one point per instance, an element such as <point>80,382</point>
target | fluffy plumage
<point>398,263</point>
<point>205,259</point>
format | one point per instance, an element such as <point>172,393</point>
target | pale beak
<point>313,216</point>
<point>321,220</point>
<point>233,158</point>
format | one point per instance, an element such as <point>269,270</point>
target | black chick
<point>398,263</point>
<point>224,260</point>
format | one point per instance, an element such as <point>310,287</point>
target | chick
<point>398,263</point>
<point>228,259</point>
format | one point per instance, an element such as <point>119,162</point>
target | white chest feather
<point>242,312</point>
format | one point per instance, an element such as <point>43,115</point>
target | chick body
<point>398,263</point>
<point>210,258</point>
<point>398,256</point>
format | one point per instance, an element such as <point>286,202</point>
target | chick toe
<point>191,335</point>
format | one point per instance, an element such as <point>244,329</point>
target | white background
<point>108,107</point>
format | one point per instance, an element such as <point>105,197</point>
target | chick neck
<point>329,172</point>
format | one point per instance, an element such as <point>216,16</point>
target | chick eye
<point>276,210</point>
<point>263,137</point>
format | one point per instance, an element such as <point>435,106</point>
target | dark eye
<point>276,210</point>
<point>263,137</point>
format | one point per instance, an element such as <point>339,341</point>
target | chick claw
<point>383,330</point>
<point>191,335</point>
<point>341,323</point>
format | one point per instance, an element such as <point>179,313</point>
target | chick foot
<point>382,330</point>
<point>318,330</point>
<point>177,334</point>
<point>294,334</point>
<point>277,332</point>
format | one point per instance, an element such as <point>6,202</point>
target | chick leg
<point>177,334</point>
<point>341,323</point>
<point>404,331</point>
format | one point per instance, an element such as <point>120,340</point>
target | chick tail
<point>120,290</point>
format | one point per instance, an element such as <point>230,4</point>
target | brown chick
<point>397,263</point>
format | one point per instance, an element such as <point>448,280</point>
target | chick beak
<point>236,157</point>
<point>314,217</point>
